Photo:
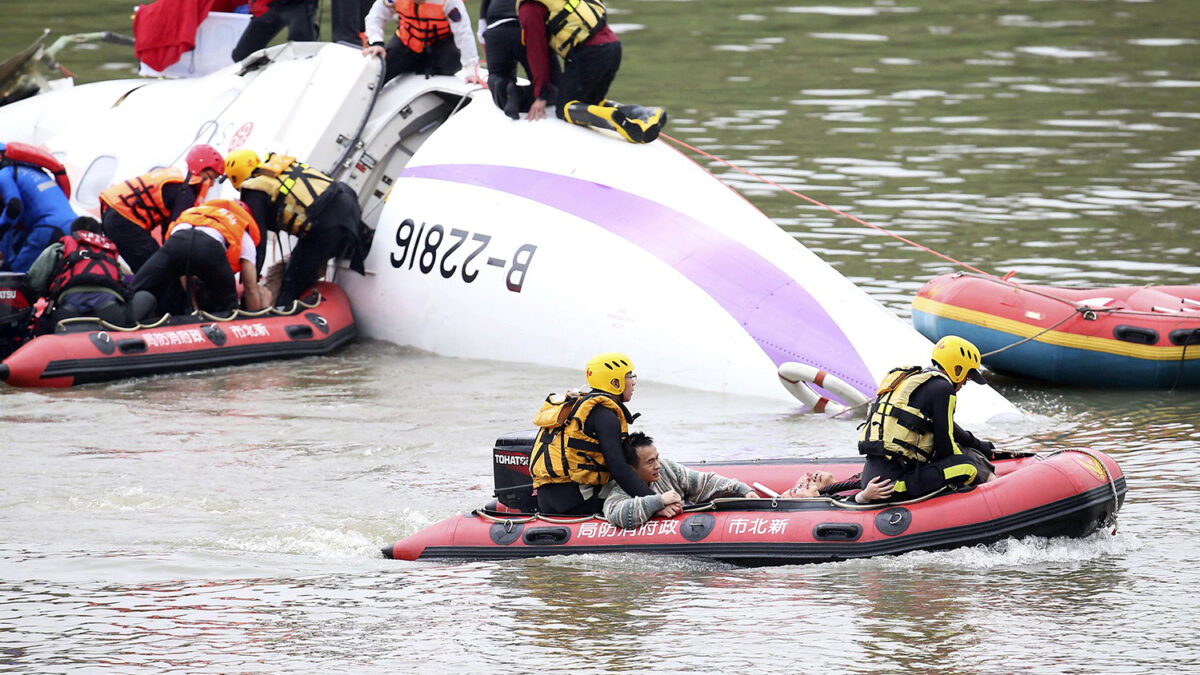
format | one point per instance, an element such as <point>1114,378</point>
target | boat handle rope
<point>237,314</point>
<point>1089,313</point>
<point>701,508</point>
<point>1077,310</point>
<point>296,305</point>
<point>991,277</point>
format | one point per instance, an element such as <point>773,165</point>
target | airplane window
<point>97,177</point>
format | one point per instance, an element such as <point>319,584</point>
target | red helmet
<point>202,157</point>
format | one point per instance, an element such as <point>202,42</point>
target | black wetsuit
<point>335,230</point>
<point>566,499</point>
<point>190,253</point>
<point>298,16</point>
<point>955,461</point>
<point>348,18</point>
<point>504,48</point>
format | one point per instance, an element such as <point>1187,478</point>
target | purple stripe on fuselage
<point>782,317</point>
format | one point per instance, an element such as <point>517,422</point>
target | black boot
<point>512,100</point>
<point>642,129</point>
<point>650,120</point>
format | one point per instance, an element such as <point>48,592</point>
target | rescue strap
<point>991,277</point>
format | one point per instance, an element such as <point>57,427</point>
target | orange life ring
<point>799,378</point>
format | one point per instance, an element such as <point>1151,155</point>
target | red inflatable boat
<point>1129,337</point>
<point>1067,494</point>
<point>89,353</point>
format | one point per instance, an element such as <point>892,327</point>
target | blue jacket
<point>45,215</point>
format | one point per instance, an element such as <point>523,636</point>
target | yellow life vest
<point>562,452</point>
<point>894,429</point>
<point>293,187</point>
<point>571,22</point>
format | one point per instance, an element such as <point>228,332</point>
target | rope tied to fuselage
<point>1006,279</point>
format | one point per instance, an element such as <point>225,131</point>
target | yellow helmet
<point>239,164</point>
<point>607,371</point>
<point>959,358</point>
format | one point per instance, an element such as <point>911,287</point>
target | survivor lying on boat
<point>495,238</point>
<point>1066,494</point>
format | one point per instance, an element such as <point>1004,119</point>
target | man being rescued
<point>671,483</point>
<point>910,436</point>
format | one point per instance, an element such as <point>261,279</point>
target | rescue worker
<point>212,242</point>
<point>500,34</point>
<point>34,213</point>
<point>272,16</point>
<point>348,20</point>
<point>570,465</point>
<point>910,436</point>
<point>432,37</point>
<point>132,210</point>
<point>578,32</point>
<point>285,195</point>
<point>81,276</point>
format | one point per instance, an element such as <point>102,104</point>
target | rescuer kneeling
<point>910,436</point>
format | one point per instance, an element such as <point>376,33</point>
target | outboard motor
<point>510,470</point>
<point>16,312</point>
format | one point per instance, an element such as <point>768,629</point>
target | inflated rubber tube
<point>799,378</point>
<point>3,372</point>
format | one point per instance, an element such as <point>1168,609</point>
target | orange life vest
<point>421,25</point>
<point>229,218</point>
<point>140,199</point>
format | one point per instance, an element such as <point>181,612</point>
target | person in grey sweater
<point>671,482</point>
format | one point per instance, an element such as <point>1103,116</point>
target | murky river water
<point>231,520</point>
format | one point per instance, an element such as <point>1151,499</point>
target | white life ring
<point>799,378</point>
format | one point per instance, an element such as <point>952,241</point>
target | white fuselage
<point>509,240</point>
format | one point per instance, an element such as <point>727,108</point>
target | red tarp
<point>164,30</point>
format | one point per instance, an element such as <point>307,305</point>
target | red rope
<point>826,206</point>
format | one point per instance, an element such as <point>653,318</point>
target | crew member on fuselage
<point>578,32</point>
<point>272,16</point>
<point>433,37</point>
<point>500,34</point>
